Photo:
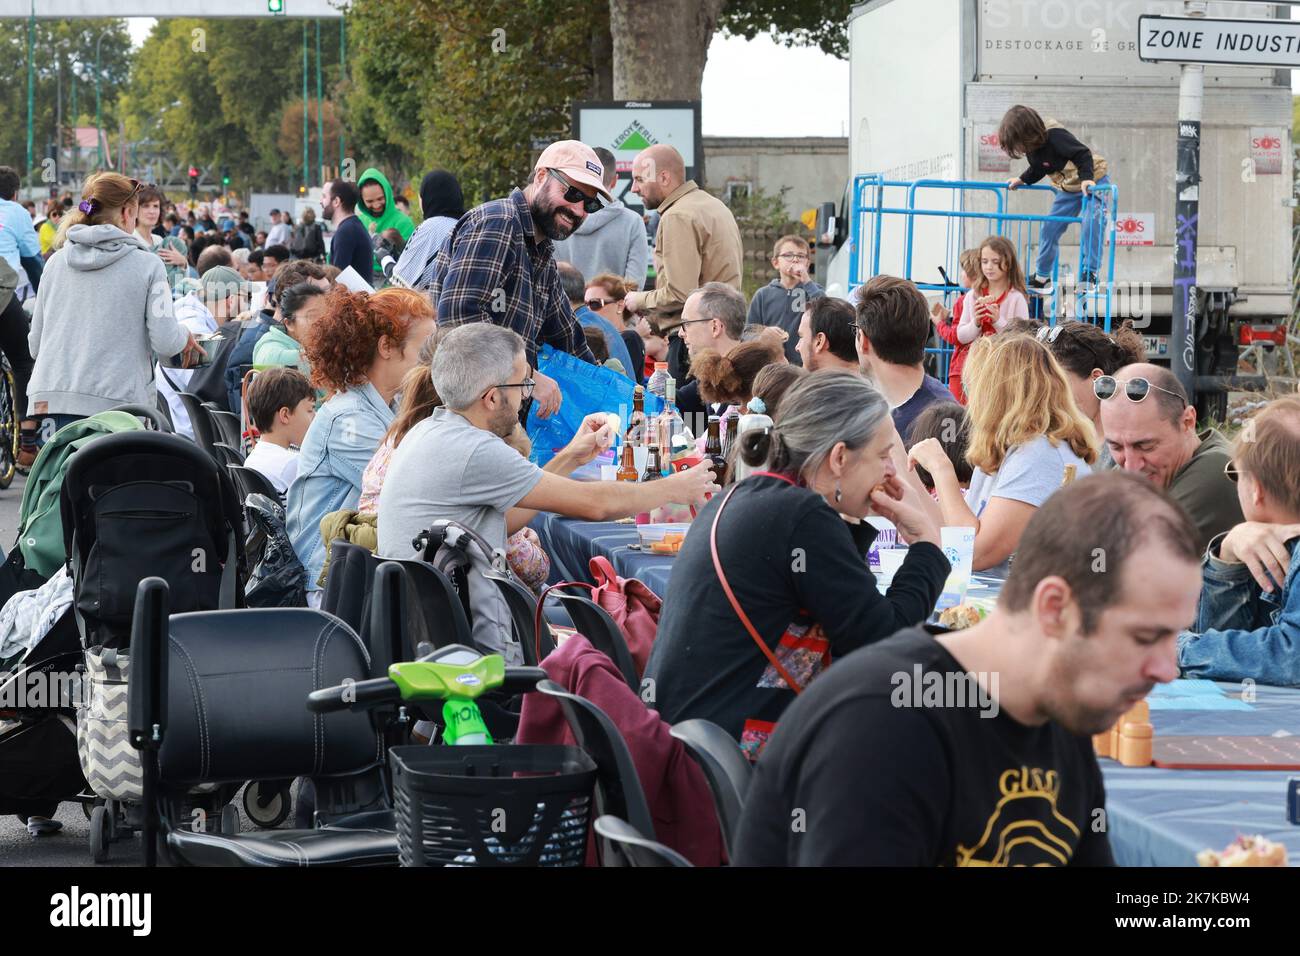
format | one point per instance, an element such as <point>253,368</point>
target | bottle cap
<point>661,366</point>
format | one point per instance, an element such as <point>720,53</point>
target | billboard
<point>627,128</point>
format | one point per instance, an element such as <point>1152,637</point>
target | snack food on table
<point>1246,851</point>
<point>961,616</point>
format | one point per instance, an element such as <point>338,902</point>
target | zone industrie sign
<point>1268,43</point>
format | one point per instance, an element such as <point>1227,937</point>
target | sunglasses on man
<point>573,194</point>
<point>1135,389</point>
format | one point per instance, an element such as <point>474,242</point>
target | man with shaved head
<point>698,239</point>
<point>1150,429</point>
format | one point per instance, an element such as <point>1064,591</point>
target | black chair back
<point>440,616</point>
<point>523,615</point>
<point>251,482</point>
<point>725,768</point>
<point>618,788</point>
<point>595,624</point>
<point>226,455</point>
<point>348,583</point>
<point>205,429</point>
<point>228,429</point>
<point>632,847</point>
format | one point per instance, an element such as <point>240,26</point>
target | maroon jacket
<point>675,788</point>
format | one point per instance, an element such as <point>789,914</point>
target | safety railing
<point>884,207</point>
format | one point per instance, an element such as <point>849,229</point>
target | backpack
<point>40,524</point>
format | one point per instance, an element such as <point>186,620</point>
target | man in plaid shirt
<point>498,265</point>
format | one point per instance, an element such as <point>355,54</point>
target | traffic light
<point>225,176</point>
<point>275,7</point>
<point>194,181</point>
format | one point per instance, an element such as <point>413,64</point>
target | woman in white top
<point>1027,437</point>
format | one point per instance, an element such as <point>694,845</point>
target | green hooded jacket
<point>393,218</point>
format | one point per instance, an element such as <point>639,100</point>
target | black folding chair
<point>725,768</point>
<point>249,481</point>
<point>523,611</point>
<point>201,422</point>
<point>618,788</point>
<point>226,455</point>
<point>595,624</point>
<point>632,847</point>
<point>227,423</point>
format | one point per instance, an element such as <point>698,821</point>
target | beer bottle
<point>652,465</point>
<point>627,466</point>
<point>714,444</point>
<point>733,432</point>
<point>636,429</point>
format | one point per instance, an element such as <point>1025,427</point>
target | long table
<point>1155,816</point>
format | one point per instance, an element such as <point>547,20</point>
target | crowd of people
<point>381,412</point>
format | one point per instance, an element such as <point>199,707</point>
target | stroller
<point>139,505</point>
<point>39,768</point>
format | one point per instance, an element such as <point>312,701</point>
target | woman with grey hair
<point>773,580</point>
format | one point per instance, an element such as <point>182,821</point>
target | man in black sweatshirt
<point>1075,170</point>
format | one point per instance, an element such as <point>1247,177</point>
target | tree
<point>216,92</point>
<point>65,54</point>
<point>472,87</point>
<point>660,48</point>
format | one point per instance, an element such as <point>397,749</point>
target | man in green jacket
<point>377,210</point>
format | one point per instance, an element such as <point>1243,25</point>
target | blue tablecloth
<point>572,544</point>
<point>1155,817</point>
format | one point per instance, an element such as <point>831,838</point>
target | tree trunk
<point>602,62</point>
<point>660,47</point>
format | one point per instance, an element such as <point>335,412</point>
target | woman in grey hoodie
<point>103,308</point>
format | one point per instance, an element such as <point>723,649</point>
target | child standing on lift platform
<point>1074,169</point>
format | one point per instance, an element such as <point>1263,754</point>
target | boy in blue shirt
<point>1248,621</point>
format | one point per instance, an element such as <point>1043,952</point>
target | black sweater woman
<point>796,569</point>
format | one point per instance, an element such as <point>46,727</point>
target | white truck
<point>931,79</point>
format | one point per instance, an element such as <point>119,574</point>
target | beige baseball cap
<point>578,162</point>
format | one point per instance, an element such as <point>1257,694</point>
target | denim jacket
<point>1243,632</point>
<point>339,444</point>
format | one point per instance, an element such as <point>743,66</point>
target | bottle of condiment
<point>627,466</point>
<point>652,465</point>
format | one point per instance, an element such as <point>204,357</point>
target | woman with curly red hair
<point>359,350</point>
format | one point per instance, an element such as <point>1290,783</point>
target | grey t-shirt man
<point>446,468</point>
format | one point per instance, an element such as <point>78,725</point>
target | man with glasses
<point>498,264</point>
<point>1150,429</point>
<point>454,465</point>
<point>610,239</point>
<point>784,300</point>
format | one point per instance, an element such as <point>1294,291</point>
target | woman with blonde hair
<point>103,309</point>
<point>1027,437</point>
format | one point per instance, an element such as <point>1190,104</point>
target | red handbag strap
<point>735,605</point>
<point>541,601</point>
<point>603,571</point>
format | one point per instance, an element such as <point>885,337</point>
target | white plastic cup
<point>608,473</point>
<point>891,559</point>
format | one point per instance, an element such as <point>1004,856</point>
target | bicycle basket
<point>492,806</point>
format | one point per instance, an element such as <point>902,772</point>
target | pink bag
<point>632,605</point>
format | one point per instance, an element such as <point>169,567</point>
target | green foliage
<point>220,96</point>
<point>69,44</point>
<point>819,23</point>
<point>468,87</point>
<point>761,210</point>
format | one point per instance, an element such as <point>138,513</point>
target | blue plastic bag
<point>586,389</point>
